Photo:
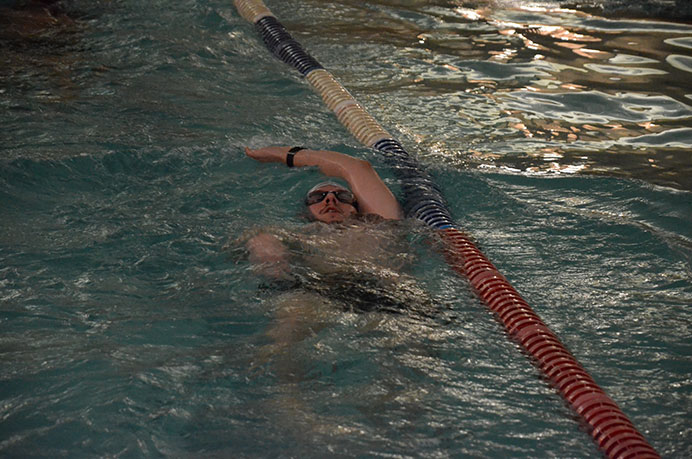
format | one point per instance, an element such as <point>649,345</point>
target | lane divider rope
<point>610,428</point>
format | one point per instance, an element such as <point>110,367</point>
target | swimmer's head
<point>330,202</point>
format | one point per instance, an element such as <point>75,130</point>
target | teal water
<point>560,138</point>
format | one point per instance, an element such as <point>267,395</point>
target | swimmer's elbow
<point>362,168</point>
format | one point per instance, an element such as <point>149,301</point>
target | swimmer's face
<point>334,207</point>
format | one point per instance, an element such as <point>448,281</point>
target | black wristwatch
<point>291,153</point>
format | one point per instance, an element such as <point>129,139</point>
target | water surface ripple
<point>532,87</point>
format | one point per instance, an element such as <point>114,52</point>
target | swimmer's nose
<point>330,198</point>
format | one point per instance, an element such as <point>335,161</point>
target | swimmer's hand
<point>268,154</point>
<point>268,256</point>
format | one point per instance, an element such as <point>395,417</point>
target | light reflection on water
<point>599,94</point>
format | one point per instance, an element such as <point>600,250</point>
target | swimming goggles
<point>343,196</point>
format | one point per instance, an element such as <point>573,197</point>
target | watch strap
<point>291,153</point>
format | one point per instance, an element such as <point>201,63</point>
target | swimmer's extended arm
<point>374,197</point>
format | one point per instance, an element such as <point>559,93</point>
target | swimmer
<point>351,258</point>
<point>355,252</point>
<point>330,203</point>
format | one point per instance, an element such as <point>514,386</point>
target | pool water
<point>560,136</point>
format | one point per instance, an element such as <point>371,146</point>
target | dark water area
<point>673,10</point>
<point>560,134</point>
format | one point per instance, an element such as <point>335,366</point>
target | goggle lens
<point>344,196</point>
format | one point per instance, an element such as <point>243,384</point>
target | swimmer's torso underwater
<point>360,265</point>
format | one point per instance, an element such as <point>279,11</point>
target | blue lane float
<point>282,45</point>
<point>612,431</point>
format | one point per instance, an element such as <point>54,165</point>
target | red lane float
<point>611,429</point>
